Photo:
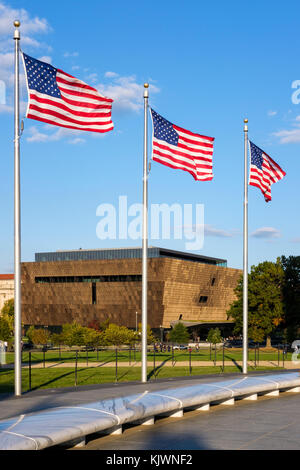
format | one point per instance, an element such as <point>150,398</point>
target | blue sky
<point>209,66</point>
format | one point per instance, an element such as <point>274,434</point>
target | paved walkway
<point>267,424</point>
<point>38,400</point>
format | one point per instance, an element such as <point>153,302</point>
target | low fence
<point>85,365</point>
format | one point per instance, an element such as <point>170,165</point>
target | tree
<point>291,295</point>
<point>150,336</point>
<point>7,315</point>
<point>214,336</point>
<point>38,335</point>
<point>73,334</point>
<point>8,308</point>
<point>5,329</point>
<point>57,339</point>
<point>93,338</point>
<point>117,335</point>
<point>265,301</point>
<point>179,334</point>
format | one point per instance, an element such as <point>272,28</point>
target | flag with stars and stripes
<point>263,171</point>
<point>56,97</point>
<point>178,148</point>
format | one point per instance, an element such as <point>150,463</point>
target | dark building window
<point>180,317</point>
<point>213,281</point>
<point>94,293</point>
<point>109,254</point>
<point>203,299</point>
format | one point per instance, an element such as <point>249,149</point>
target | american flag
<point>178,148</point>
<point>263,171</point>
<point>56,97</point>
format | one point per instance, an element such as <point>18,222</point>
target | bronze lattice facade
<point>58,292</point>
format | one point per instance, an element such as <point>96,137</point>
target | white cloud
<point>76,141</point>
<point>9,108</point>
<point>266,233</point>
<point>30,26</point>
<point>37,135</point>
<point>126,92</point>
<point>111,74</point>
<point>4,108</point>
<point>92,78</point>
<point>211,231</point>
<point>288,136</point>
<point>45,58</point>
<point>71,54</point>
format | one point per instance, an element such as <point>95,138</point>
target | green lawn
<point>107,356</point>
<point>65,377</point>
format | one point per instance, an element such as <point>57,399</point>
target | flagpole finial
<point>146,93</point>
<point>17,24</point>
<point>245,121</point>
<point>245,124</point>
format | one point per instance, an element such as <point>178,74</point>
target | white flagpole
<point>245,253</point>
<point>145,239</point>
<point>17,228</point>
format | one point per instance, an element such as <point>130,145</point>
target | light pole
<point>161,334</point>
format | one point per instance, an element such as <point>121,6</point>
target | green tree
<point>73,334</point>
<point>291,296</point>
<point>118,335</point>
<point>150,337</point>
<point>214,336</point>
<point>5,329</point>
<point>93,338</point>
<point>57,339</point>
<point>179,334</point>
<point>265,301</point>
<point>7,314</point>
<point>8,308</point>
<point>38,335</point>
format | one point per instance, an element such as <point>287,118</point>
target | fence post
<point>255,356</point>
<point>223,366</point>
<point>172,355</point>
<point>44,358</point>
<point>130,355</point>
<point>29,370</point>
<point>210,351</point>
<point>190,360</point>
<point>283,354</point>
<point>97,351</point>
<point>278,356</point>
<point>87,356</point>
<point>76,360</point>
<point>116,364</point>
<point>215,354</point>
<point>154,360</point>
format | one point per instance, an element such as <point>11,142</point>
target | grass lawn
<point>65,377</point>
<point>126,356</point>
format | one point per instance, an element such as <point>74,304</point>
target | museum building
<point>106,284</point>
